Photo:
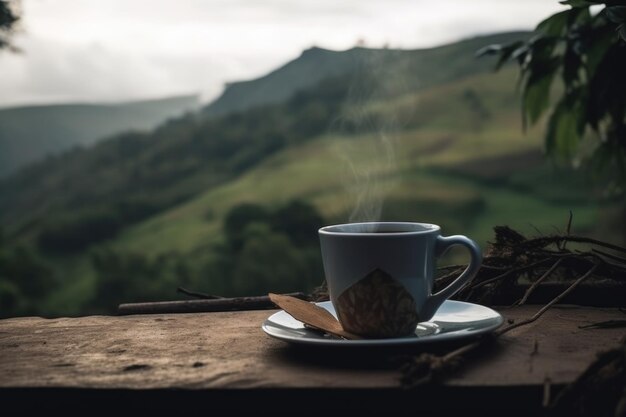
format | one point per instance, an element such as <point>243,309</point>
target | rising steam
<point>369,161</point>
<point>365,180</point>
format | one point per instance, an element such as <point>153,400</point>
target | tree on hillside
<point>267,249</point>
<point>25,280</point>
<point>8,19</point>
<point>585,47</point>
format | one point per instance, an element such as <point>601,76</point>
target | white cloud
<point>93,50</point>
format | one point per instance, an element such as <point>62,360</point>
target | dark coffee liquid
<point>376,231</point>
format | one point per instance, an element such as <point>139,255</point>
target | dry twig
<point>197,294</point>
<point>508,259</point>
<point>427,368</point>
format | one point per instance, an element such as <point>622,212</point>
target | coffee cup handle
<point>443,244</point>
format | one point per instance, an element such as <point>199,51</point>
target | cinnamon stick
<point>311,315</point>
<point>262,302</point>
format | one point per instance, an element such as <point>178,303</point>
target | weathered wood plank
<point>229,350</point>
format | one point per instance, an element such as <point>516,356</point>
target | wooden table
<point>220,362</point>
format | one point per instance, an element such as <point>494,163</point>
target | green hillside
<point>230,204</point>
<point>442,172</point>
<point>136,175</point>
<point>30,133</point>
<point>414,69</point>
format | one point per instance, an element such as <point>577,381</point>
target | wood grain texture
<point>229,350</point>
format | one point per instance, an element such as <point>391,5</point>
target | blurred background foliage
<point>8,21</point>
<point>227,200</point>
<point>584,48</point>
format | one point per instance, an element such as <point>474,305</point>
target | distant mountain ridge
<point>431,65</point>
<point>132,176</point>
<point>28,133</point>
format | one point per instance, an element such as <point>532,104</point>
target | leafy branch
<point>585,49</point>
<point>8,20</point>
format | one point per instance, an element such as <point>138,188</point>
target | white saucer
<point>453,320</point>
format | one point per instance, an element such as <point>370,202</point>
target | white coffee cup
<point>380,275</point>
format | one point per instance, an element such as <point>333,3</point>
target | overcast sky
<point>111,50</point>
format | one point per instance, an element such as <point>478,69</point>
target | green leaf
<point>622,32</point>
<point>600,43</point>
<point>542,47</point>
<point>565,130</point>
<point>555,25</point>
<point>616,14</point>
<point>507,52</point>
<point>520,54</point>
<point>571,66</point>
<point>536,97</point>
<point>605,85</point>
<point>540,71</point>
<point>578,18</point>
<point>489,50</point>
